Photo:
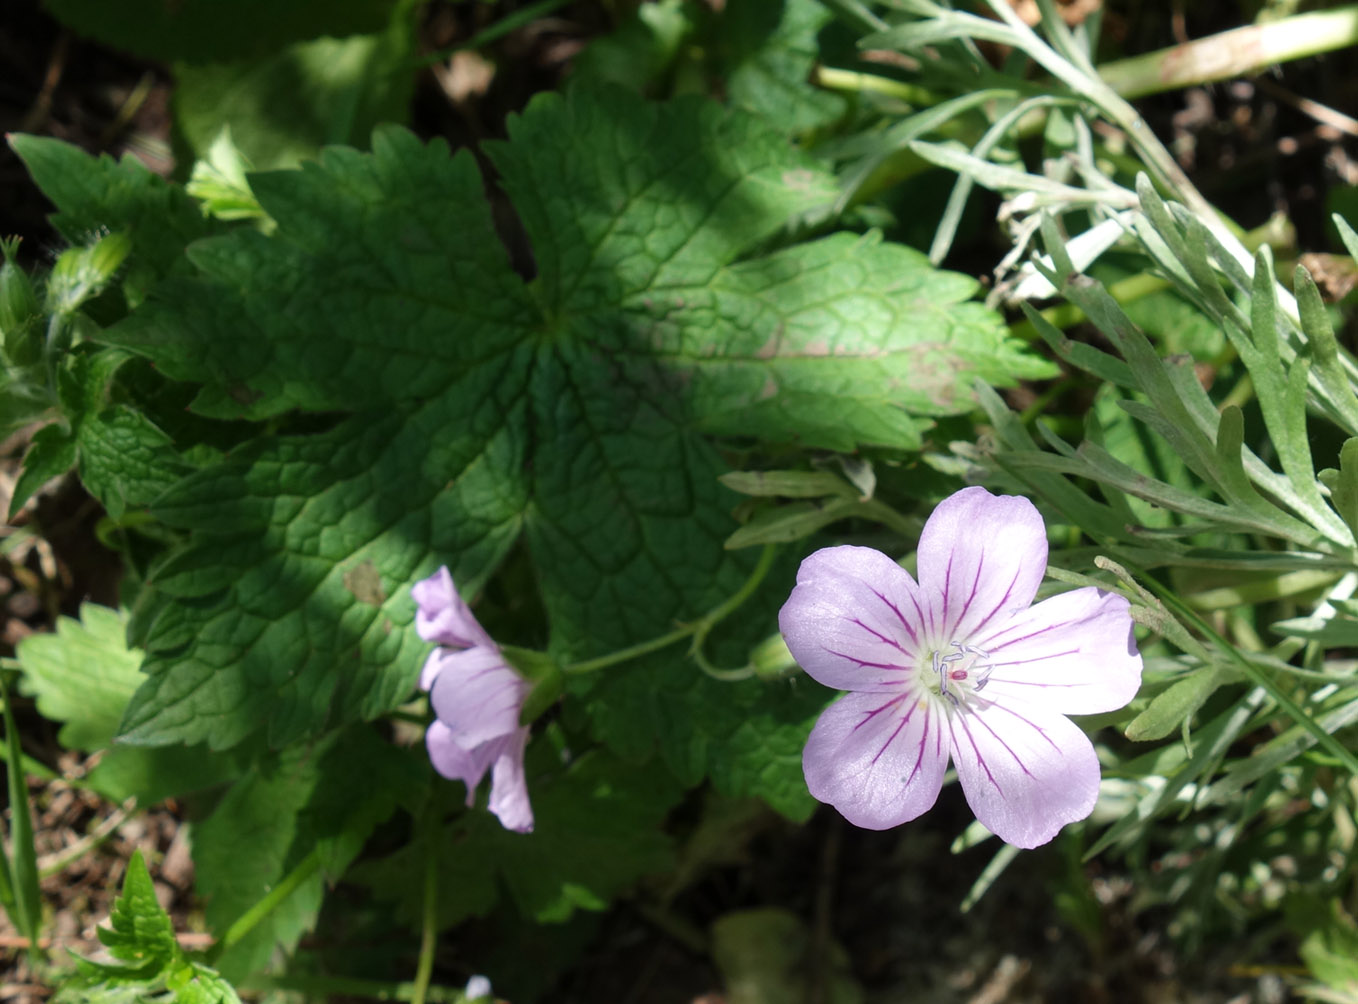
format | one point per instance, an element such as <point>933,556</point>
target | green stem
<point>324,987</point>
<point>629,653</point>
<point>853,82</point>
<point>698,629</point>
<point>21,871</point>
<point>247,922</point>
<point>1234,53</point>
<point>429,929</point>
<point>704,627</point>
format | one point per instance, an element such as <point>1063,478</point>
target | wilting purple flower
<point>959,665</point>
<point>476,696</point>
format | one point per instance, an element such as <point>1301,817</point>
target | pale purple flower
<point>960,665</point>
<point>476,696</point>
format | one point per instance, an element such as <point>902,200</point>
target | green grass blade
<point>27,914</point>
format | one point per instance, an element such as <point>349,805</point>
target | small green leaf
<point>768,51</point>
<point>51,453</point>
<point>794,521</point>
<point>83,675</point>
<point>1170,708</point>
<point>1331,951</point>
<point>1343,484</point>
<point>787,484</point>
<point>98,195</point>
<point>141,935</point>
<point>140,932</point>
<point>218,181</point>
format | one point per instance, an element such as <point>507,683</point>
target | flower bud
<point>106,257</point>
<point>19,315</point>
<point>81,273</point>
<point>771,659</point>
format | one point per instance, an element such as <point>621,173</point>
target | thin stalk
<point>629,653</point>
<point>20,872</point>
<point>247,922</point>
<point>1234,53</point>
<point>429,926</point>
<point>53,864</point>
<point>853,82</point>
<point>698,629</point>
<point>705,626</point>
<point>324,987</point>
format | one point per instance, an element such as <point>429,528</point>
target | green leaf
<point>787,484</point>
<point>141,935</point>
<point>1331,951</point>
<point>641,50</point>
<point>464,407</point>
<point>123,458</point>
<point>286,808</point>
<point>101,195</point>
<point>596,832</point>
<point>1171,707</point>
<point>83,675</point>
<point>768,51</point>
<point>204,30</point>
<point>1343,484</point>
<point>284,106</point>
<point>139,930</point>
<point>51,453</point>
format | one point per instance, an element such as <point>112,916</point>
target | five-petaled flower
<point>476,696</point>
<point>960,665</point>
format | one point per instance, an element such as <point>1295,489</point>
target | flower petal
<point>443,616</point>
<point>432,665</point>
<point>981,556</point>
<point>454,761</point>
<point>477,695</point>
<point>508,786</point>
<point>1026,771</point>
<point>1073,654</point>
<point>853,620</point>
<point>876,758</point>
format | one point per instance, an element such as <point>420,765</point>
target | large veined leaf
<point>466,408</point>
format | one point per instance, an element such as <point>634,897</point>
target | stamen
<point>974,668</point>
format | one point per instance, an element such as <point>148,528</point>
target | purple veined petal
<point>878,759</point>
<point>1026,771</point>
<point>443,616</point>
<point>477,695</point>
<point>454,761</point>
<point>508,786</point>
<point>853,621</point>
<point>1073,654</point>
<point>981,556</point>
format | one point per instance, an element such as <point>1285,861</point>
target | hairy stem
<point>1234,53</point>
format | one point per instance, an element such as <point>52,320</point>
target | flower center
<point>958,671</point>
